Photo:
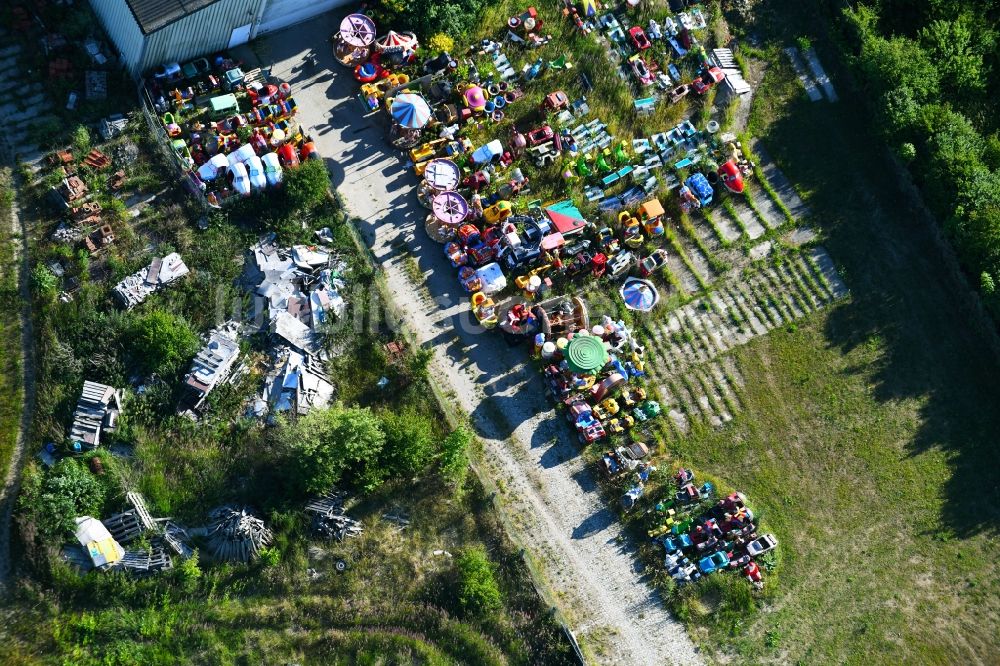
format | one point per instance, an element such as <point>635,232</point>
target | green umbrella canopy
<point>585,354</point>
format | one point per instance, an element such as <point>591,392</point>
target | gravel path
<point>549,493</point>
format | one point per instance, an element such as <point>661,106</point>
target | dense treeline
<point>429,17</point>
<point>932,71</point>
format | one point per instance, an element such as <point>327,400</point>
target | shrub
<point>162,342</point>
<point>54,500</point>
<point>907,152</point>
<point>441,43</point>
<point>270,557</point>
<point>43,281</point>
<point>326,443</point>
<point>478,591</point>
<point>455,457</point>
<point>986,283</point>
<point>408,440</point>
<point>307,185</point>
<point>188,573</point>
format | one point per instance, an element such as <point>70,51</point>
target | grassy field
<point>11,389</point>
<point>395,603</point>
<point>867,435</point>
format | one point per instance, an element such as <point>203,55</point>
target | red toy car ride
<point>731,177</point>
<point>640,70</point>
<point>540,135</point>
<point>652,263</point>
<point>704,82</point>
<point>639,39</point>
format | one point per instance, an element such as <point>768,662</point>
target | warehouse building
<point>152,32</point>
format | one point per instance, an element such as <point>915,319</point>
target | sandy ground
<point>531,455</point>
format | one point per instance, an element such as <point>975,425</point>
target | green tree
<point>958,46</point>
<point>955,152</point>
<point>898,62</point>
<point>81,138</point>
<point>162,342</point>
<point>478,591</point>
<point>326,443</point>
<point>977,238</point>
<point>307,185</point>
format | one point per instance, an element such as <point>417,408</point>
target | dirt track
<point>30,110</point>
<point>530,453</point>
<point>12,484</point>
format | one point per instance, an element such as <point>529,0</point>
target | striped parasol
<point>639,294</point>
<point>410,110</point>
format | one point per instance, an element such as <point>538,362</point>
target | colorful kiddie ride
<point>255,172</point>
<point>484,309</point>
<point>525,239</point>
<point>555,102</point>
<point>651,216</point>
<point>561,316</point>
<point>489,279</point>
<point>640,69</point>
<point>696,192</point>
<point>272,168</point>
<point>472,246</point>
<point>239,178</point>
<point>620,263</point>
<point>732,177</point>
<point>631,229</point>
<point>678,93</point>
<point>623,459</point>
<point>588,428</point>
<point>498,212</point>
<point>353,41</point>
<point>639,39</point>
<point>653,262</point>
<point>640,295</point>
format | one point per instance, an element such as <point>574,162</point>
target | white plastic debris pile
<point>214,362</point>
<point>302,281</point>
<point>136,288</point>
<point>297,293</point>
<point>299,335</point>
<point>296,384</point>
<point>97,411</point>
